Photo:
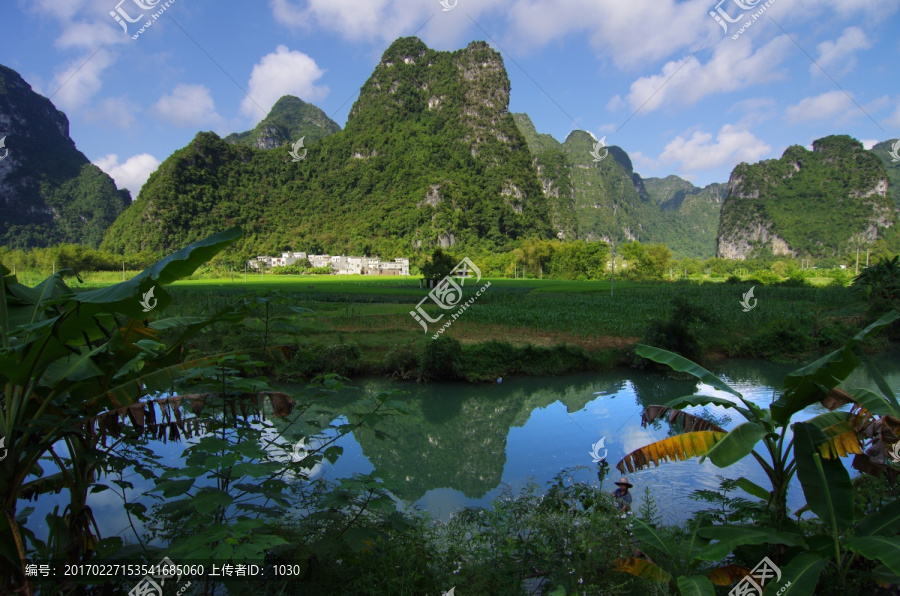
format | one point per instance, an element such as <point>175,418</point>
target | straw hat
<point>624,482</point>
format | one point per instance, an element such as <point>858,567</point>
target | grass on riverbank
<point>362,325</point>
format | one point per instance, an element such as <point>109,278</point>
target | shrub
<point>780,337</point>
<point>402,362</point>
<point>440,359</point>
<point>342,359</point>
<point>679,333</point>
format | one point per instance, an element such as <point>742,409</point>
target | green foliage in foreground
<point>67,359</point>
<point>841,539</point>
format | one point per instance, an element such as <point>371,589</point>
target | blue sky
<point>659,78</point>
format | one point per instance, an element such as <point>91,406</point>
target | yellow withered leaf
<point>641,568</point>
<point>677,448</point>
<point>727,575</point>
<point>840,445</point>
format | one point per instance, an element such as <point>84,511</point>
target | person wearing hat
<point>622,496</point>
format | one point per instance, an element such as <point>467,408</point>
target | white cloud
<point>732,145</point>
<point>88,36</point>
<point>826,106</point>
<point>80,80</point>
<point>632,33</point>
<point>894,119</point>
<point>753,111</point>
<point>383,21</point>
<point>838,54</point>
<point>118,112</point>
<point>642,160</point>
<point>733,66</point>
<point>283,72</point>
<point>132,174</point>
<point>187,105</point>
<point>869,143</point>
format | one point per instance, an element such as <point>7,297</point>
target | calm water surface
<point>462,443</point>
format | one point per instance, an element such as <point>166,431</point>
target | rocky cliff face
<point>49,191</point>
<point>819,203</point>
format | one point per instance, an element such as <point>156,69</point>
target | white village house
<point>340,265</point>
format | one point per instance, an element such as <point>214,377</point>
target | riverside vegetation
<point>89,379</point>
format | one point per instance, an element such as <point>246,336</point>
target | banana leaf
<point>802,572</point>
<point>678,448</point>
<point>826,483</point>
<point>877,548</point>
<point>704,400</point>
<point>689,421</point>
<point>695,585</point>
<point>641,568</point>
<point>727,574</point>
<point>736,445</point>
<point>809,384</point>
<point>730,537</point>
<point>682,364</point>
<point>886,522</point>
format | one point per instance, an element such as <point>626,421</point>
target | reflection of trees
<point>455,435</point>
<point>755,372</point>
<point>656,389</point>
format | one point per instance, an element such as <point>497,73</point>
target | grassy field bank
<point>362,325</point>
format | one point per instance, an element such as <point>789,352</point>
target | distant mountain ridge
<point>289,120</point>
<point>49,191</point>
<point>608,200</point>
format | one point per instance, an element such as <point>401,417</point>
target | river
<point>461,444</point>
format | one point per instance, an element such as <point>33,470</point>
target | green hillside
<point>820,203</point>
<point>607,199</point>
<point>50,191</point>
<point>429,157</point>
<point>290,119</point>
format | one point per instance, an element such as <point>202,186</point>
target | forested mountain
<point>689,214</point>
<point>290,119</point>
<point>50,191</point>
<point>883,151</point>
<point>818,203</point>
<point>607,200</point>
<point>429,157</point>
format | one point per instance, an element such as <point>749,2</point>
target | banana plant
<point>812,452</point>
<point>682,559</point>
<point>67,357</point>
<point>766,427</point>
